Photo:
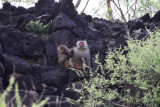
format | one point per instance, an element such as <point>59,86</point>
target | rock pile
<point>33,59</point>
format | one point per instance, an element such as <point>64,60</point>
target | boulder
<point>80,21</point>
<point>45,19</point>
<point>56,77</point>
<point>12,41</point>
<point>1,84</point>
<point>33,46</point>
<point>93,34</point>
<point>98,23</point>
<point>4,15</point>
<point>64,6</point>
<point>88,18</point>
<point>22,20</point>
<point>79,32</point>
<point>135,25</point>
<point>28,82</point>
<point>145,18</point>
<point>2,70</point>
<point>43,6</point>
<point>20,11</point>
<point>62,22</point>
<point>16,64</point>
<point>7,6</point>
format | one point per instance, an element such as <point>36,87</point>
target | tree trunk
<point>109,9</point>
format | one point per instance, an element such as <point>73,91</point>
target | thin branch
<point>85,6</point>
<point>77,4</point>
<point>135,9</point>
<point>131,6</point>
<point>97,9</point>
<point>122,15</point>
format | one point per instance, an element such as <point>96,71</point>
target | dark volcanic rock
<point>7,6</point>
<point>62,22</point>
<point>97,46</point>
<point>135,25</point>
<point>87,17</point>
<point>156,17</point>
<point>28,82</point>
<point>1,84</point>
<point>16,64</point>
<point>80,21</point>
<point>146,18</point>
<point>61,37</point>
<point>31,10</point>
<point>79,32</point>
<point>72,76</point>
<point>2,70</point>
<point>12,40</point>
<point>20,10</point>
<point>22,20</point>
<point>57,77</point>
<point>43,7</point>
<point>99,23</point>
<point>45,19</point>
<point>67,7</point>
<point>57,101</point>
<point>94,34</point>
<point>51,90</point>
<point>33,46</point>
<point>4,15</point>
<point>1,49</point>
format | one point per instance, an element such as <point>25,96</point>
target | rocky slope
<point>33,59</point>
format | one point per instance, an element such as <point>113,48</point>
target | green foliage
<point>36,27</point>
<point>148,6</point>
<point>19,103</point>
<point>93,92</point>
<point>140,68</point>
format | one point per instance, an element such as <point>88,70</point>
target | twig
<point>119,8</point>
<point>85,6</point>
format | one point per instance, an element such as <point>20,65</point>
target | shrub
<point>140,67</point>
<point>36,27</point>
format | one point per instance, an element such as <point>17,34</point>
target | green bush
<point>38,28</point>
<point>140,67</point>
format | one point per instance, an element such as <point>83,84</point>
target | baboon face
<point>78,62</point>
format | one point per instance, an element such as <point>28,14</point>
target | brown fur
<point>63,55</point>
